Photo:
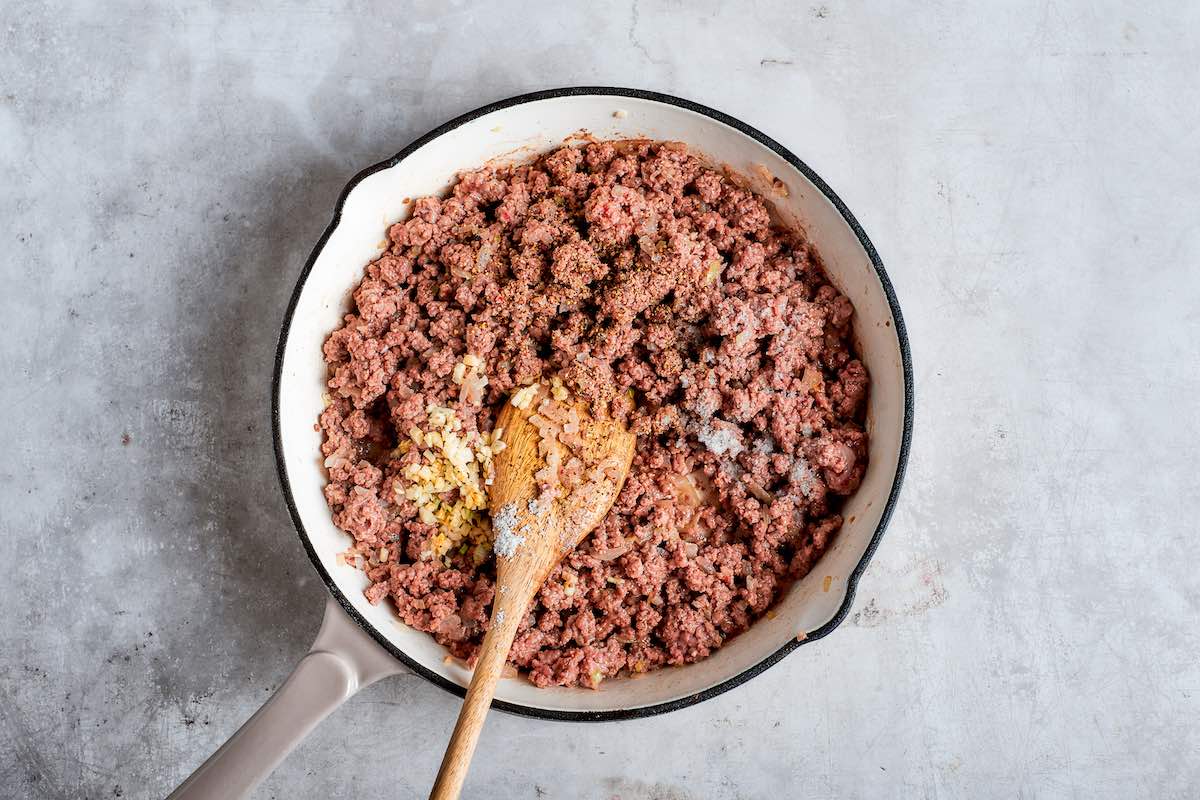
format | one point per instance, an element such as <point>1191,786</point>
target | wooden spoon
<point>531,538</point>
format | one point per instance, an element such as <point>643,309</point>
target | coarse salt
<point>720,439</point>
<point>504,526</point>
<point>803,476</point>
<point>765,445</point>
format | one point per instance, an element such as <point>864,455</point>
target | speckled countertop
<point>1030,176</point>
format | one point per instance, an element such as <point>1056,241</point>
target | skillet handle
<point>342,660</point>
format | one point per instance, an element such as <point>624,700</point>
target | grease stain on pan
<point>770,183</point>
<point>583,135</point>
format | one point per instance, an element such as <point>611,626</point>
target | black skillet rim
<point>852,580</point>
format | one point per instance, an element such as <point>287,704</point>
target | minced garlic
<point>523,397</point>
<point>450,460</point>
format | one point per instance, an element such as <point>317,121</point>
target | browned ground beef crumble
<point>657,289</point>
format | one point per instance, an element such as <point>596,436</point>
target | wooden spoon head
<point>527,496</point>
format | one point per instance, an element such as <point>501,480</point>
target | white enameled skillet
<point>360,643</point>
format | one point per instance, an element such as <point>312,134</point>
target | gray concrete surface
<point>1031,177</point>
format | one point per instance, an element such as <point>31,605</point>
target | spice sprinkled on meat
<point>504,526</point>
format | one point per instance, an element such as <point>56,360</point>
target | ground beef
<point>658,290</point>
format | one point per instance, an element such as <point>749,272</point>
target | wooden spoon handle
<point>506,618</point>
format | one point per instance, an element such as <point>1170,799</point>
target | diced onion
<point>613,553</point>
